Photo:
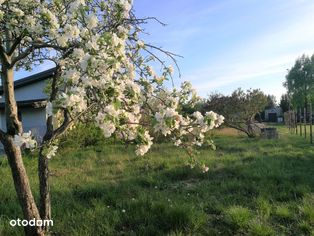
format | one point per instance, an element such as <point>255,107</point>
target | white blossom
<point>177,142</point>
<point>25,139</point>
<point>52,151</point>
<point>140,44</point>
<point>49,109</point>
<point>170,69</point>
<point>108,128</point>
<point>205,168</point>
<point>91,21</point>
<point>143,148</point>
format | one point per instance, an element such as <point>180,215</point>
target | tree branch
<point>2,136</point>
<point>34,47</point>
<point>68,121</point>
<point>15,44</point>
<point>3,55</point>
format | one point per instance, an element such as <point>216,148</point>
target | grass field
<point>253,187</point>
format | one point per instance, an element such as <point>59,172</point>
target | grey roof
<point>36,103</point>
<point>32,79</point>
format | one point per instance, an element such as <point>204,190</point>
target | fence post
<point>295,113</point>
<point>296,121</point>
<point>311,120</point>
<point>289,116</point>
<point>304,120</point>
<point>300,116</point>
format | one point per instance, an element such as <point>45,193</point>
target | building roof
<point>274,109</point>
<point>36,103</point>
<point>32,79</point>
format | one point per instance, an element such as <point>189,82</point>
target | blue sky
<point>228,44</point>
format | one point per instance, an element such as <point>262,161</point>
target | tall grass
<point>253,187</point>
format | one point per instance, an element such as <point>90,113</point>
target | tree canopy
<point>300,81</point>
<point>285,103</point>
<point>239,108</point>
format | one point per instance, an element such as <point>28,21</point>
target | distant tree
<point>300,81</point>
<point>285,103</point>
<point>239,108</point>
<point>271,102</point>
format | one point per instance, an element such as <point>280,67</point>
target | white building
<point>31,102</point>
<point>273,114</point>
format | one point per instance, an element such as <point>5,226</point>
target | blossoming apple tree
<point>103,70</point>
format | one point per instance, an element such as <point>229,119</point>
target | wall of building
<point>32,91</point>
<point>34,119</point>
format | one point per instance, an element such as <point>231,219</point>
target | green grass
<point>253,187</point>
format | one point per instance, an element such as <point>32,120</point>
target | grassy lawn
<point>253,187</point>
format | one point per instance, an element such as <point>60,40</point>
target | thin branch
<point>34,47</point>
<point>15,44</point>
<point>144,20</point>
<point>67,121</point>
<point>2,136</point>
<point>3,55</point>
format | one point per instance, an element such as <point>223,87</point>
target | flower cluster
<point>145,145</point>
<point>167,120</point>
<point>25,140</point>
<point>51,151</point>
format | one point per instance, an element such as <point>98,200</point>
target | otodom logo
<point>33,222</point>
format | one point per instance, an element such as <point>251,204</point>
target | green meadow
<point>253,187</point>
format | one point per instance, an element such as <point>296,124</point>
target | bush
<point>84,135</point>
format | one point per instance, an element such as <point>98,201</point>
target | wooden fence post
<point>304,120</point>
<point>289,117</point>
<point>311,120</point>
<point>296,121</point>
<point>300,116</point>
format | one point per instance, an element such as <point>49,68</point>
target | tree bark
<point>13,124</point>
<point>241,129</point>
<point>20,178</point>
<point>22,187</point>
<point>43,164</point>
<point>44,188</point>
<point>304,119</point>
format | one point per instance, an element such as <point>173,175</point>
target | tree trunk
<point>44,188</point>
<point>43,167</point>
<point>241,129</point>
<point>251,133</point>
<point>304,120</point>
<point>20,178</point>
<point>22,186</point>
